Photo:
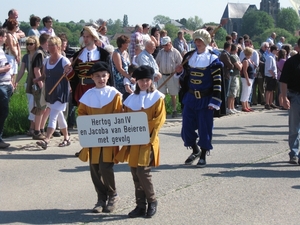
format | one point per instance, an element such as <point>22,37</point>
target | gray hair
<point>109,48</point>
<point>140,46</point>
<point>137,27</point>
<point>264,43</point>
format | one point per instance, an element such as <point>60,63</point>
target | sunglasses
<point>30,44</point>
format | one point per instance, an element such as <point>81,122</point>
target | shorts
<point>271,84</point>
<point>37,94</point>
<point>234,87</point>
<point>171,87</point>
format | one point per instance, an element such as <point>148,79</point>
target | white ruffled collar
<point>99,97</point>
<point>202,60</point>
<point>143,100</point>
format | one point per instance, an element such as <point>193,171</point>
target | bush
<point>17,120</point>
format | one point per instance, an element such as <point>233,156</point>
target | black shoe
<point>293,159</point>
<point>192,158</point>
<point>174,114</point>
<point>151,209</point>
<point>273,106</point>
<point>56,134</point>
<point>268,107</point>
<point>137,212</point>
<point>4,145</point>
<point>201,163</point>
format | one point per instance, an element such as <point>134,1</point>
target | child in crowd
<point>141,157</point>
<point>101,99</point>
<point>129,86</point>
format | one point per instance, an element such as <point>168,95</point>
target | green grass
<point>17,121</point>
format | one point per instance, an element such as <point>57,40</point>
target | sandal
<point>43,144</point>
<point>65,143</point>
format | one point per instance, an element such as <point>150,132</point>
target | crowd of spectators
<point>250,76</point>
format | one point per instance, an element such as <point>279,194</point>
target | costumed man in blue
<point>200,78</point>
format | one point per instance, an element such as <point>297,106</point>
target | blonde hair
<point>293,52</point>
<point>248,51</point>
<point>56,41</point>
<point>33,39</point>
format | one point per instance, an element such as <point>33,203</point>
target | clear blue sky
<point>138,12</point>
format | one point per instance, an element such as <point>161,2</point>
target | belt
<point>200,94</point>
<point>166,74</point>
<point>85,81</point>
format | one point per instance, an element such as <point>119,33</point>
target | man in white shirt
<point>271,39</point>
<point>6,87</point>
<point>167,59</point>
<point>271,77</point>
<point>280,43</point>
<point>145,33</point>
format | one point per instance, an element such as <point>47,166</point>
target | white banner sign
<point>113,129</point>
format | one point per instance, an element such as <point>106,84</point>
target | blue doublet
<point>204,89</point>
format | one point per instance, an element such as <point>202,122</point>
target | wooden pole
<point>64,75</point>
<point>50,92</point>
<point>160,86</point>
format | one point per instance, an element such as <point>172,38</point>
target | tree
<point>116,27</point>
<point>172,30</point>
<point>288,20</point>
<point>183,21</point>
<point>99,22</point>
<point>194,23</point>
<point>256,22</point>
<point>160,19</point>
<point>187,37</point>
<point>289,38</point>
<point>125,21</point>
<point>220,37</point>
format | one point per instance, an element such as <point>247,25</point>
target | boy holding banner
<point>101,99</point>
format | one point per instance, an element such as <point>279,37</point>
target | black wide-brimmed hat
<point>98,66</point>
<point>143,72</point>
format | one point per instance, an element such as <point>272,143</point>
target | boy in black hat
<point>101,99</point>
<point>141,157</point>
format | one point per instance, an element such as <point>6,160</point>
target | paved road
<point>247,179</point>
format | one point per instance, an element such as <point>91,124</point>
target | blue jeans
<point>294,123</point>
<point>5,94</point>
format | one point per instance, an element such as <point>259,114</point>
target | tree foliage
<point>99,22</point>
<point>172,30</point>
<point>220,37</point>
<point>160,19</point>
<point>256,22</point>
<point>187,37</point>
<point>183,21</point>
<point>125,21</point>
<point>194,23</point>
<point>289,38</point>
<point>288,19</point>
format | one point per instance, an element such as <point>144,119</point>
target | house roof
<point>175,23</point>
<point>235,10</point>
